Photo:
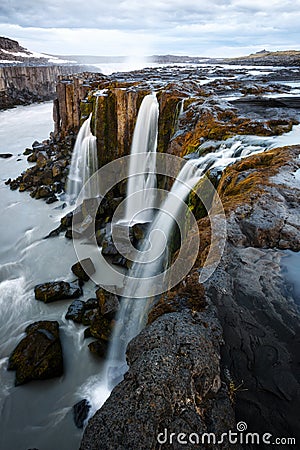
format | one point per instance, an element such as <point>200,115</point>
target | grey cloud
<point>181,25</point>
<point>125,14</point>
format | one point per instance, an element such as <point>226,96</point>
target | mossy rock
<point>57,290</point>
<point>201,197</point>
<point>99,347</point>
<point>84,269</point>
<point>100,327</point>
<point>38,356</point>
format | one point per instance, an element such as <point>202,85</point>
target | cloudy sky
<point>145,27</point>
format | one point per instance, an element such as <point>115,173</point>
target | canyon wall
<point>21,85</point>
<point>115,108</point>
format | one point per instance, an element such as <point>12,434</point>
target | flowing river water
<point>38,414</point>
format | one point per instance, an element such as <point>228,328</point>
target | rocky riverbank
<point>211,354</point>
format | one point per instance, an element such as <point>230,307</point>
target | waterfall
<point>134,307</point>
<point>150,261</point>
<point>83,164</point>
<point>138,297</point>
<point>140,199</point>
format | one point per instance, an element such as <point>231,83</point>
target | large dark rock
<point>57,290</point>
<point>173,382</point>
<point>100,327</point>
<point>38,356</point>
<point>6,155</point>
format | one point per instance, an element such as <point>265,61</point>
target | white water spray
<point>83,164</point>
<point>141,176</point>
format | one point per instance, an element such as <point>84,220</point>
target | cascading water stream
<point>83,164</point>
<point>152,257</point>
<point>135,306</point>
<point>141,176</point>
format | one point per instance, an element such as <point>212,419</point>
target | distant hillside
<point>12,53</point>
<point>264,57</point>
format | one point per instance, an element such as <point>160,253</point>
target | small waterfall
<point>151,260</point>
<point>137,297</point>
<point>83,164</point>
<point>135,305</point>
<point>142,177</point>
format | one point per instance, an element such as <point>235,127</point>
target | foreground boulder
<point>173,383</point>
<point>38,356</point>
<point>57,290</point>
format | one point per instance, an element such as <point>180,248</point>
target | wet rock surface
<point>80,412</point>
<point>75,311</point>
<point>57,290</point>
<point>259,316</point>
<point>173,374</point>
<point>179,365</point>
<point>216,110</point>
<point>38,356</point>
<point>83,269</point>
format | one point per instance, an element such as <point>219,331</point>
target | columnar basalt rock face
<point>24,85</point>
<point>115,114</point>
<point>69,108</point>
<point>190,114</point>
<point>114,107</point>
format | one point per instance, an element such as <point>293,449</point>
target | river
<point>39,414</point>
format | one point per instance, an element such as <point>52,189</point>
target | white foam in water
<point>96,391</point>
<point>12,299</point>
<point>14,305</point>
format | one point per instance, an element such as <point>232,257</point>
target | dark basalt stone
<point>100,327</point>
<point>76,311</point>
<point>38,356</point>
<point>108,303</point>
<point>80,412</point>
<point>99,347</point>
<point>51,200</point>
<point>108,247</point>
<point>159,391</point>
<point>5,155</point>
<point>66,221</point>
<point>43,191</point>
<point>57,290</point>
<point>84,269</point>
<point>91,303</point>
<point>89,316</point>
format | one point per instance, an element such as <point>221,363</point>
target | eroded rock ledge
<point>173,383</point>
